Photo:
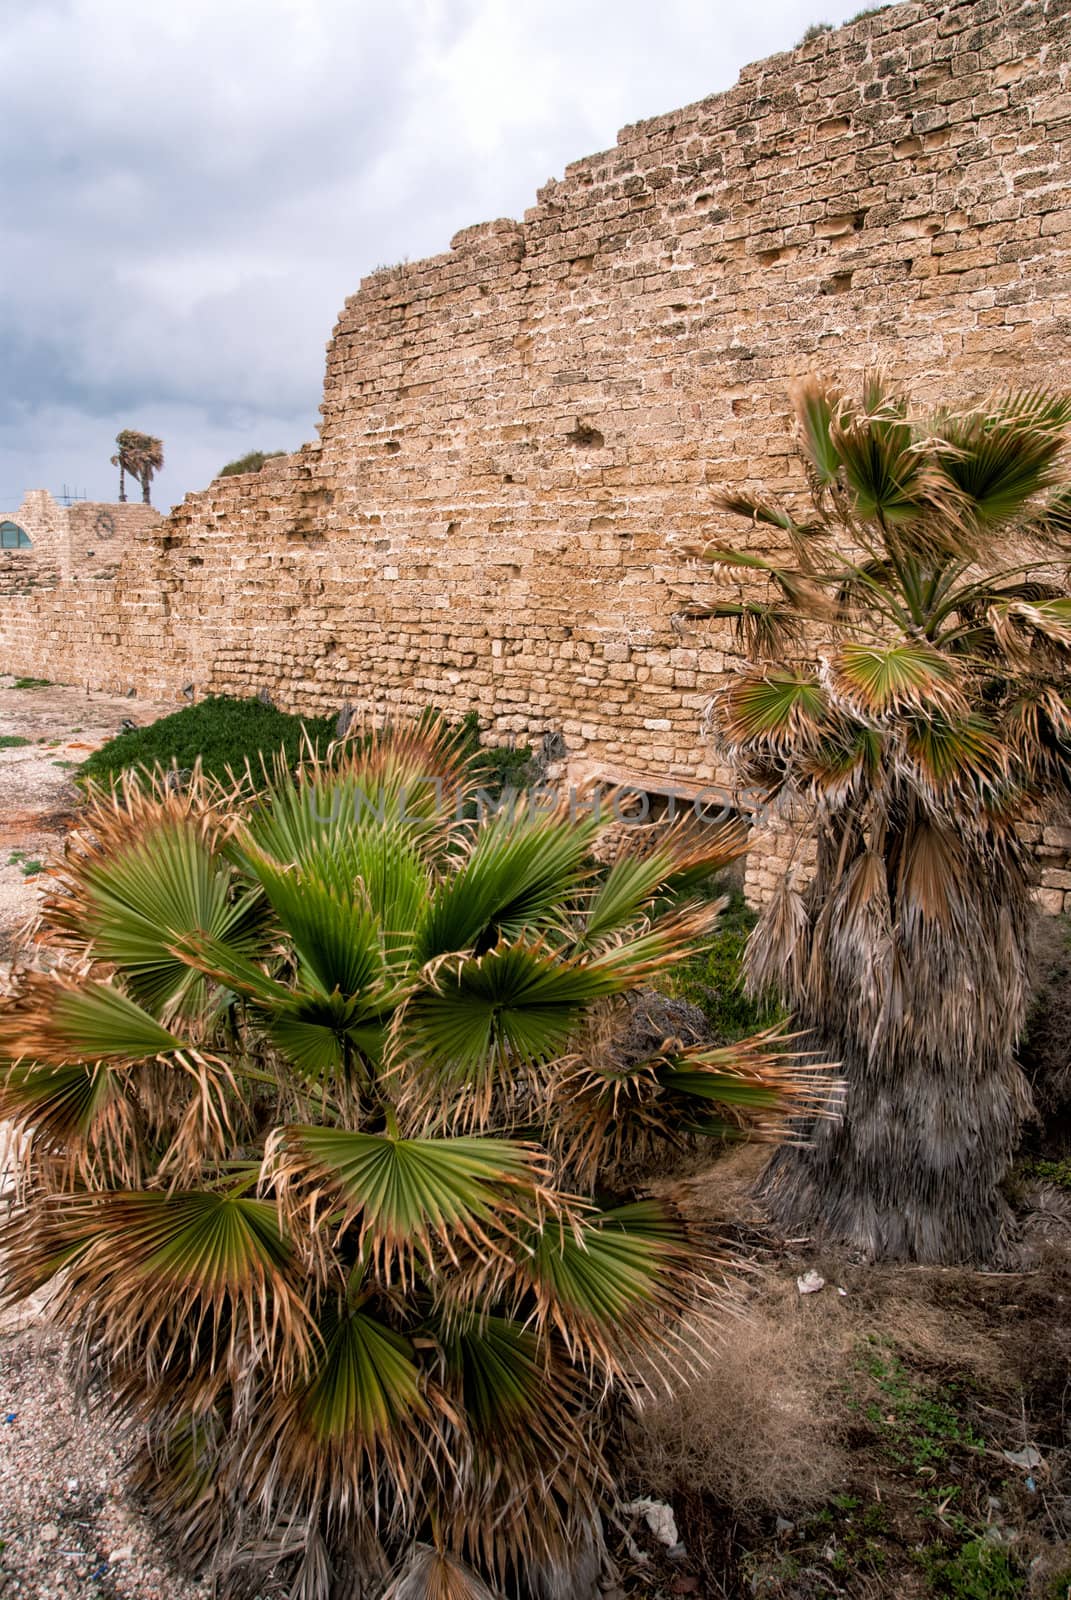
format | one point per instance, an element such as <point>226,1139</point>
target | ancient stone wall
<point>516,435</point>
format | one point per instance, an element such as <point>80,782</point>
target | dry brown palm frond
<point>430,1574</point>
<point>776,956</point>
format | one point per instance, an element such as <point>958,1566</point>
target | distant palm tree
<point>141,455</point>
<point>928,572</point>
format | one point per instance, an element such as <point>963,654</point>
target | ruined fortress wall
<point>516,433</point>
<point>72,544</point>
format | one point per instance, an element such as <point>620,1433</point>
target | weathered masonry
<point>515,433</point>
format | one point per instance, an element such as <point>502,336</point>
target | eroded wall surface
<point>518,433</point>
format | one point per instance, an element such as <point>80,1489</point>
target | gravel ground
<point>67,1531</point>
<point>66,1527</point>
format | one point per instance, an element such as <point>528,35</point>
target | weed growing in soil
<point>978,1571</point>
<point>32,683</point>
<point>12,741</point>
<point>922,1429</point>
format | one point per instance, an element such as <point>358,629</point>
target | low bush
<point>223,731</point>
<point>226,732</point>
<point>712,978</point>
<point>252,461</point>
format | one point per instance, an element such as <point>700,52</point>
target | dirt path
<point>45,733</point>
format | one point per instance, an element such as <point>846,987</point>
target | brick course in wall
<point>516,434</point>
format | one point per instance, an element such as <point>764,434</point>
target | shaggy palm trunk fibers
<point>922,1010</point>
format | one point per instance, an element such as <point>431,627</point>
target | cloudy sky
<point>190,188</point>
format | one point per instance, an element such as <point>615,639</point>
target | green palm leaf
<point>154,1262</point>
<point>774,708</point>
<point>410,1195</point>
<point>814,418</point>
<point>60,1104</point>
<point>366,1386</point>
<point>877,680</point>
<point>335,934</point>
<point>517,1003</point>
<point>57,1020</point>
<point>883,472</point>
<point>502,1378</point>
<point>613,1282</point>
<point>138,903</point>
<point>966,751</point>
<point>1000,460</point>
<point>522,870</point>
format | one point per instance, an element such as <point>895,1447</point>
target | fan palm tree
<point>141,456</point>
<point>289,1100</point>
<point>927,569</point>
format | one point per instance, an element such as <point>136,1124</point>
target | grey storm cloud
<point>189,192</point>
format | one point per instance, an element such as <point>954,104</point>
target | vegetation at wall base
<point>224,732</point>
<point>221,732</point>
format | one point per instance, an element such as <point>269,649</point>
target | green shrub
<point>226,732</point>
<point>252,461</point>
<point>712,978</point>
<point>223,731</point>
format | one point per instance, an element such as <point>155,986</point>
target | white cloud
<point>195,188</point>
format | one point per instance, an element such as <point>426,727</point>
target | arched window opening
<point>12,537</point>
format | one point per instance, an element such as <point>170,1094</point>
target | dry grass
<point>775,1428</point>
<point>760,1431</point>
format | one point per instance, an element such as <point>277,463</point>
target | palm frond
<point>814,402</point>
<point>153,1267</point>
<point>522,869</point>
<point>878,680</point>
<point>999,459</point>
<point>612,1283</point>
<point>417,1201</point>
<point>135,902</point>
<point>430,1574</point>
<point>57,1019</point>
<point>772,708</point>
<point>514,1007</point>
<point>957,753</point>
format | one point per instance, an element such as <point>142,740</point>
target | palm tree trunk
<point>122,484</point>
<point>923,1013</point>
<point>145,490</point>
<point>912,1171</point>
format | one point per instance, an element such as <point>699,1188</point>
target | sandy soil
<point>60,727</point>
